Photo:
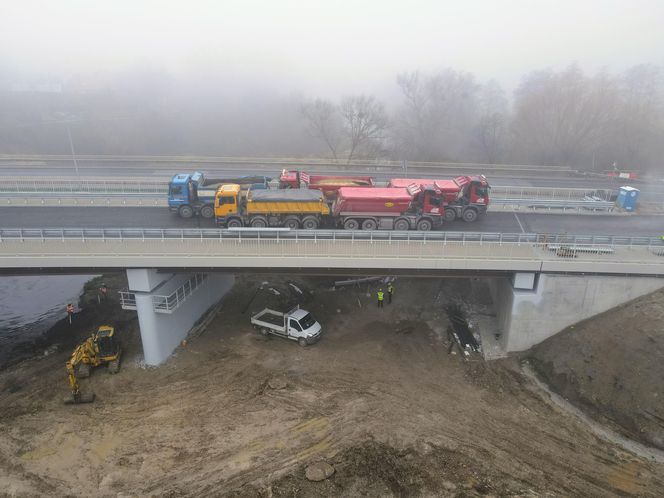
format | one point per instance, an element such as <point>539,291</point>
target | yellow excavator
<point>101,348</point>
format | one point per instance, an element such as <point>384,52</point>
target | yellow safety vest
<point>380,296</point>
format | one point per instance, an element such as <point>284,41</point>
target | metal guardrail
<point>75,186</point>
<point>165,303</point>
<point>160,187</point>
<point>249,234</point>
<point>560,193</point>
<point>168,304</point>
<point>284,161</point>
<point>557,204</point>
<point>127,300</point>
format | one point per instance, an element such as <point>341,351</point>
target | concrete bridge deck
<point>224,249</point>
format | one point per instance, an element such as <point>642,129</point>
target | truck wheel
<point>234,223</point>
<point>369,224</point>
<point>424,225</point>
<point>259,223</point>
<point>302,341</point>
<point>207,212</point>
<point>351,224</point>
<point>292,223</point>
<point>469,215</point>
<point>264,332</point>
<point>310,223</point>
<point>450,215</point>
<point>402,224</point>
<point>186,211</point>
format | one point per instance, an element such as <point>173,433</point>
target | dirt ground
<point>612,367</point>
<point>232,413</point>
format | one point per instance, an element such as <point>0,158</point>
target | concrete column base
<point>527,317</point>
<point>161,333</point>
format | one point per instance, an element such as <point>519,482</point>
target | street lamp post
<point>73,152</point>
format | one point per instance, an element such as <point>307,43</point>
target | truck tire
<point>469,215</point>
<point>186,211</point>
<point>264,332</point>
<point>292,222</point>
<point>369,224</point>
<point>302,341</point>
<point>234,223</point>
<point>258,222</point>
<point>207,212</point>
<point>450,215</point>
<point>310,223</point>
<point>424,225</point>
<point>351,224</point>
<point>402,224</point>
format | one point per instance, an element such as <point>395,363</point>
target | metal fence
<point>75,186</point>
<point>127,300</point>
<point>167,304</point>
<point>284,234</point>
<point>284,162</point>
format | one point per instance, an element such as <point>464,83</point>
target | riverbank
<point>91,309</point>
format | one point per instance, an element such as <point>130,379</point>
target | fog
<point>549,82</point>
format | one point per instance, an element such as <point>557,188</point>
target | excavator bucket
<point>79,398</point>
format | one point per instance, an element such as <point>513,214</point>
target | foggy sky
<point>326,48</point>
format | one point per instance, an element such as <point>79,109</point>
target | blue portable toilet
<point>627,198</point>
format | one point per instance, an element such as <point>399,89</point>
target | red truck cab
<point>465,197</point>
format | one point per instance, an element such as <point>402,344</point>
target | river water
<point>29,306</point>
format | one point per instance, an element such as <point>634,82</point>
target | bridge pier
<point>169,304</point>
<point>532,307</point>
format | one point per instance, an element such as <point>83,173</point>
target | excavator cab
<point>107,345</point>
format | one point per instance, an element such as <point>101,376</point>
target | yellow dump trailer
<point>262,208</point>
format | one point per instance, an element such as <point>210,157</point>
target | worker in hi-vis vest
<point>381,296</point>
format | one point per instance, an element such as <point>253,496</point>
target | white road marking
<point>519,222</point>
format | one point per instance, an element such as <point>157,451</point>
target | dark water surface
<point>29,306</point>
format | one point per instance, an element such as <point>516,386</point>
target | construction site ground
<point>233,413</point>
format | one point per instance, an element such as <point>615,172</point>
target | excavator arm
<point>84,353</point>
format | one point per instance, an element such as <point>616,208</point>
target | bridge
<point>540,282</point>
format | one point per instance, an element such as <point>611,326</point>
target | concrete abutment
<point>532,307</point>
<point>164,323</point>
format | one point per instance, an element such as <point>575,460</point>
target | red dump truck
<point>388,208</point>
<point>465,197</point>
<point>328,184</point>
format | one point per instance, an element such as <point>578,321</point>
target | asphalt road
<point>129,217</point>
<point>123,170</point>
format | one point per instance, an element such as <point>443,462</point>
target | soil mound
<point>612,367</point>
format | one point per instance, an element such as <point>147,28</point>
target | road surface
<point>144,217</point>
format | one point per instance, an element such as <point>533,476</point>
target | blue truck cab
<point>193,194</point>
<point>188,196</point>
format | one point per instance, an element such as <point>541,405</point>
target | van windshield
<point>307,321</point>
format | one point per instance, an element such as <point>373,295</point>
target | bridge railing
<point>284,234</point>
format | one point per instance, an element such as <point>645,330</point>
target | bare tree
<point>640,130</point>
<point>492,122</point>
<point>323,122</point>
<point>436,118</point>
<point>365,123</point>
<point>560,117</point>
